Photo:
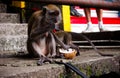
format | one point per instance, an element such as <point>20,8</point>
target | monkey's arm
<point>60,42</point>
<point>38,32</point>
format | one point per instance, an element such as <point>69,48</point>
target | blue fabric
<point>109,0</point>
<point>119,13</point>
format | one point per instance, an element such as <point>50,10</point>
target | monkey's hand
<point>66,47</point>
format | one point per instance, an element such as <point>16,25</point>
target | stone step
<point>13,29</point>
<point>9,18</point>
<point>12,43</point>
<point>3,8</point>
<point>88,62</point>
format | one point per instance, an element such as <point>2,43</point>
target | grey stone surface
<point>13,37</point>
<point>9,18</point>
<point>90,63</point>
<point>13,29</point>
<point>3,8</point>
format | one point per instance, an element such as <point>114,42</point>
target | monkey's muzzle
<point>68,54</point>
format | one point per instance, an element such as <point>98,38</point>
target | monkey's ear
<point>44,10</point>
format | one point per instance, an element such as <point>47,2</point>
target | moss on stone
<point>88,71</point>
<point>61,75</point>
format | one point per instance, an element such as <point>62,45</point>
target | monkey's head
<point>52,14</point>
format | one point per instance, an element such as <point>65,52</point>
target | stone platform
<point>89,62</point>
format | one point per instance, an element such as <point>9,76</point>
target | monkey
<point>41,40</point>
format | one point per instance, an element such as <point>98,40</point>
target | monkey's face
<point>53,16</point>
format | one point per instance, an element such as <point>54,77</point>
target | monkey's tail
<point>69,65</point>
<point>86,38</point>
<point>95,47</point>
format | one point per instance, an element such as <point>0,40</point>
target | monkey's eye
<point>55,13</point>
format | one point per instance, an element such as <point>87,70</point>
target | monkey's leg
<point>41,51</point>
<point>38,49</point>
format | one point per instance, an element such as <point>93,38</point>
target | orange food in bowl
<point>70,54</point>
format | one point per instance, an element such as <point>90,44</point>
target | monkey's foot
<point>42,60</point>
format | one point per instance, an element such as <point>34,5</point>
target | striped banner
<point>109,17</point>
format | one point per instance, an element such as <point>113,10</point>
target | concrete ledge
<point>13,29</point>
<point>89,63</point>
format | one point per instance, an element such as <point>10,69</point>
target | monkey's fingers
<point>66,47</point>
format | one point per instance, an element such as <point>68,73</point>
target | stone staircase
<point>13,36</point>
